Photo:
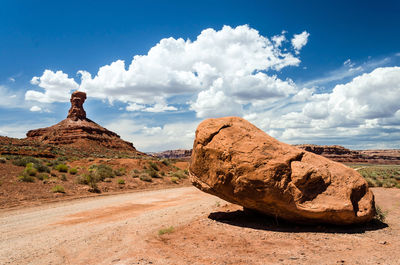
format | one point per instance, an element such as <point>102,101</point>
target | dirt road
<point>96,230</point>
<point>123,229</point>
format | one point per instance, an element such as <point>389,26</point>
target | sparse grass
<point>387,176</point>
<point>380,214</point>
<point>26,178</point>
<point>168,230</point>
<point>145,177</point>
<point>180,174</point>
<point>152,173</point>
<point>175,180</point>
<point>121,181</point>
<point>23,161</point>
<point>165,162</point>
<point>73,170</point>
<point>42,176</point>
<point>61,168</point>
<point>102,171</point>
<point>120,172</point>
<point>63,177</point>
<point>58,189</point>
<point>153,166</point>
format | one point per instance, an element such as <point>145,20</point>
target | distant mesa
<point>80,132</point>
<point>334,152</point>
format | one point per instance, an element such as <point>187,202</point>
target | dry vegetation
<point>27,179</point>
<point>387,176</point>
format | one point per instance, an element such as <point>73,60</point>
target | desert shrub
<point>25,160</point>
<point>91,180</point>
<point>26,177</point>
<point>186,172</point>
<point>73,170</point>
<point>102,171</point>
<point>30,170</point>
<point>61,168</point>
<point>162,173</point>
<point>120,172</point>
<point>121,181</point>
<point>62,158</point>
<point>380,215</point>
<point>135,171</point>
<point>387,176</point>
<point>63,177</point>
<point>3,160</point>
<point>58,188</point>
<point>42,168</point>
<point>174,180</point>
<point>153,166</point>
<point>180,174</point>
<point>168,230</point>
<point>42,176</point>
<point>165,162</point>
<point>81,180</point>
<point>145,177</point>
<point>107,180</point>
<point>152,173</point>
<point>53,174</point>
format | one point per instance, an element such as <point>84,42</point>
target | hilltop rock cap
<point>240,163</point>
<point>76,112</point>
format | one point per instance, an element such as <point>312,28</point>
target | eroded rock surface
<point>78,131</point>
<point>240,163</point>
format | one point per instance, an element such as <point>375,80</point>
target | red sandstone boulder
<point>240,163</point>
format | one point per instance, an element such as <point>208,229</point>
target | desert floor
<point>203,229</point>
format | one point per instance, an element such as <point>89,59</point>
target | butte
<point>79,132</point>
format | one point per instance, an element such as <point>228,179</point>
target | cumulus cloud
<point>35,108</point>
<point>57,87</point>
<point>364,112</point>
<point>368,96</point>
<point>300,40</point>
<point>232,64</point>
<point>156,138</point>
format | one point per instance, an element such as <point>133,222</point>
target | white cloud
<point>157,138</point>
<point>279,39</point>
<point>236,58</point>
<point>35,108</point>
<point>364,112</point>
<point>57,87</point>
<point>300,40</point>
<point>368,96</point>
<point>10,99</point>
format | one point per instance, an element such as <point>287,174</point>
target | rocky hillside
<point>174,154</point>
<point>80,132</point>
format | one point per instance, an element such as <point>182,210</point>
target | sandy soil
<point>123,229</point>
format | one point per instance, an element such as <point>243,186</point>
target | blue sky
<point>324,72</point>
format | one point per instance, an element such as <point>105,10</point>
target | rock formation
<point>174,154</point>
<point>76,112</point>
<point>340,154</point>
<point>78,131</point>
<point>238,162</point>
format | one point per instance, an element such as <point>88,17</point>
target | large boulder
<point>240,163</point>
